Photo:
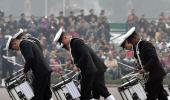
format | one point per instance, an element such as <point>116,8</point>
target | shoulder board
<point>29,40</point>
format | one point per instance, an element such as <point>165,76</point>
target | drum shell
<point>63,91</point>
<point>18,86</point>
<point>132,90</point>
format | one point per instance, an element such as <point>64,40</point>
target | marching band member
<point>6,65</point>
<point>35,61</point>
<point>148,60</point>
<point>91,66</point>
<point>23,35</point>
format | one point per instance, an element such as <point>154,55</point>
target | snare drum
<point>66,89</point>
<point>132,90</point>
<point>18,88</point>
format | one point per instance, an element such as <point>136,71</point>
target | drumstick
<point>58,65</point>
<point>5,57</point>
<point>127,75</point>
<point>128,82</point>
<point>67,74</point>
<point>9,58</point>
<point>12,60</point>
<point>67,70</point>
<point>15,63</point>
<point>131,75</point>
<point>126,65</point>
<point>21,70</point>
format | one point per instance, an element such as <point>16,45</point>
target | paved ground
<point>4,95</point>
<point>113,89</point>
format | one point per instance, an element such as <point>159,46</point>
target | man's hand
<point>75,69</point>
<point>25,75</point>
<point>141,71</point>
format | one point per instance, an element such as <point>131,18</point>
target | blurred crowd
<point>95,31</point>
<point>92,28</point>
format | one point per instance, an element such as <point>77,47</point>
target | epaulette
<point>29,40</point>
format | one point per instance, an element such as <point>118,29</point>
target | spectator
<point>81,16</point>
<point>32,26</point>
<point>112,65</point>
<point>132,19</point>
<point>82,27</point>
<point>143,23</point>
<point>93,27</point>
<point>91,15</point>
<point>23,23</point>
<point>11,25</point>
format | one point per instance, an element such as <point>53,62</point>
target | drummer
<point>23,35</point>
<point>7,67</point>
<point>91,66</point>
<point>35,61</point>
<point>148,60</point>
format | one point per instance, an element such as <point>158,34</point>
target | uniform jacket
<point>34,59</point>
<point>150,60</point>
<point>85,58</point>
<point>36,41</point>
